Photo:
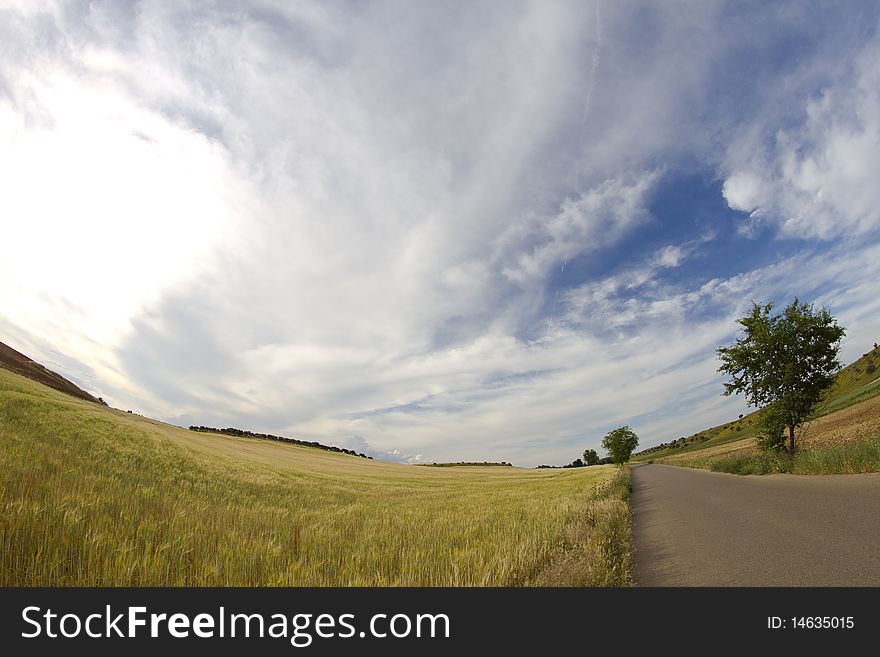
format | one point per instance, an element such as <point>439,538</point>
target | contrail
<point>597,51</point>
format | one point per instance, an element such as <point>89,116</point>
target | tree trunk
<point>791,439</point>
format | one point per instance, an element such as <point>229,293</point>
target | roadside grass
<point>596,549</point>
<point>846,458</point>
<point>92,496</point>
<point>754,464</point>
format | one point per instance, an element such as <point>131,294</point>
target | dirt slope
<point>14,361</point>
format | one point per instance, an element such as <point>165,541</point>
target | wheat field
<point>95,496</point>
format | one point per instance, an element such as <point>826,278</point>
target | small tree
<point>785,361</point>
<point>620,443</point>
<point>591,457</point>
<point>772,425</point>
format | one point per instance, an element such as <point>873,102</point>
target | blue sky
<point>431,231</point>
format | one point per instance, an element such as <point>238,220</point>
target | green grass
<point>847,458</point>
<point>94,496</point>
<point>848,398</point>
<point>855,376</point>
<point>758,464</point>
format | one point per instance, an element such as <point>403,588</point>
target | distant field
<point>94,496</point>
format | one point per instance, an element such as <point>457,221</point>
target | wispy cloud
<point>395,228</point>
<point>815,178</point>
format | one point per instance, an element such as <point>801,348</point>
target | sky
<point>431,231</point>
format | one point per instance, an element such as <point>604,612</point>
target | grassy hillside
<point>94,496</point>
<point>14,361</point>
<point>856,384</point>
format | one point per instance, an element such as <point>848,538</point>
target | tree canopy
<point>784,362</point>
<point>620,443</point>
<point>591,457</point>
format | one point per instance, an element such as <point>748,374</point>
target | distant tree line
<point>232,431</point>
<point>577,463</point>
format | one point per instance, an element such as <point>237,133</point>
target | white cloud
<point>598,218</point>
<point>817,179</point>
<point>669,256</point>
<point>349,226</point>
<point>107,204</point>
<point>743,190</point>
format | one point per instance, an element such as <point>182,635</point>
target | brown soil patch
<point>850,424</point>
<point>744,445</point>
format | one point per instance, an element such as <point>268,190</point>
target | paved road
<point>700,528</point>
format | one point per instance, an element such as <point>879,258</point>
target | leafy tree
<point>591,457</point>
<point>784,361</point>
<point>772,425</point>
<point>620,443</point>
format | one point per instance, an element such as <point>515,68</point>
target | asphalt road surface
<point>701,528</point>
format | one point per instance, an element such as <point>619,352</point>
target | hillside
<point>90,495</point>
<point>12,360</point>
<point>850,411</point>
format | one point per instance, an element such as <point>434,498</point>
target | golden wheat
<point>94,496</point>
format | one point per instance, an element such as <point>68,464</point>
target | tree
<point>591,457</point>
<point>620,443</point>
<point>784,362</point>
<point>772,426</point>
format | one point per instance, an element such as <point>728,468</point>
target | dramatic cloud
<point>815,179</point>
<point>430,231</point>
